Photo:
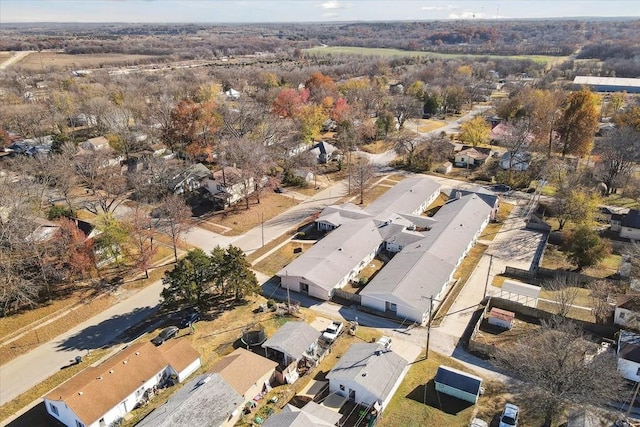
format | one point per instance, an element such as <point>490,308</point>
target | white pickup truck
<point>332,331</point>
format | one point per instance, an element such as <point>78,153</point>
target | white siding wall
<point>373,302</point>
<point>291,282</point>
<point>630,233</point>
<point>629,369</point>
<point>189,370</point>
<point>363,396</point>
<point>65,415</point>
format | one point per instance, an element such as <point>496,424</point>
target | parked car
<point>165,334</point>
<point>509,417</point>
<point>477,422</point>
<point>501,188</point>
<point>333,330</point>
<point>189,319</point>
<point>278,190</point>
<point>385,341</point>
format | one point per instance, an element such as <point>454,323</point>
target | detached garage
<point>458,384</point>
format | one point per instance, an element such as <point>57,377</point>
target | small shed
<point>458,384</point>
<point>501,318</point>
<point>445,168</point>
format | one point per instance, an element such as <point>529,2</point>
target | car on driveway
<point>477,422</point>
<point>165,334</point>
<point>501,188</point>
<point>509,417</point>
<point>189,319</point>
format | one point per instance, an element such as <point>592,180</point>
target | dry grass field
<point>39,61</point>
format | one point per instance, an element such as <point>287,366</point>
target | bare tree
<point>565,291</point>
<point>362,172</point>
<point>406,143</point>
<point>100,174</point>
<point>602,295</point>
<point>559,366</point>
<point>619,152</point>
<point>175,218</point>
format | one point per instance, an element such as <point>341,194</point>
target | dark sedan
<point>189,319</point>
<point>164,335</point>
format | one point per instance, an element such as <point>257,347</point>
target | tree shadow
<point>116,330</point>
<point>427,394</point>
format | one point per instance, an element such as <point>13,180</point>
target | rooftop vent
<point>137,353</point>
<point>80,393</point>
<point>111,371</point>
<point>364,374</point>
<point>340,249</point>
<point>99,378</point>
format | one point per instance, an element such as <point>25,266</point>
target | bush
<point>57,211</point>
<point>271,304</point>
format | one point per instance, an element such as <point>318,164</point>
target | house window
<point>341,387</point>
<point>54,409</point>
<point>391,307</point>
<point>638,372</point>
<point>622,313</point>
<point>79,424</point>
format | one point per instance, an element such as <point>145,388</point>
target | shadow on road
<point>115,330</point>
<point>36,416</point>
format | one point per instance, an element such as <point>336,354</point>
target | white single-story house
<point>422,270</point>
<point>291,343</point>
<point>229,184</point>
<point>458,384</point>
<point>470,157</point>
<point>627,312</point>
<point>445,168</point>
<point>630,225</point>
<point>101,395</point>
<point>207,400</point>
<point>629,355</point>
<point>368,374</point>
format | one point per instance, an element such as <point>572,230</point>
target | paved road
<point>33,367</point>
<point>41,362</point>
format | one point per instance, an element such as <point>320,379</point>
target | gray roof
<point>311,415</point>
<point>207,404</point>
<point>584,418</point>
<point>458,379</point>
<point>323,147</point>
<point>341,214</point>
<point>422,268</point>
<point>377,370</point>
<point>293,339</point>
<point>333,257</point>
<point>406,196</point>
<point>632,219</point>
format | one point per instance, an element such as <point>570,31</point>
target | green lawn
<point>353,50</point>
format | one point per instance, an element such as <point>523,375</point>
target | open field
<point>353,50</point>
<point>39,61</point>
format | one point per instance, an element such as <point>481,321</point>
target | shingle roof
<point>404,197</point>
<point>629,302</point>
<point>421,268</point>
<point>371,366</point>
<point>241,369</point>
<point>178,353</point>
<point>293,338</point>
<point>206,401</point>
<point>629,346</point>
<point>632,219</point>
<point>458,379</point>
<point>94,391</point>
<point>333,257</point>
<point>311,415</point>
<point>473,153</point>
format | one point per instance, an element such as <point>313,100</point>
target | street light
<point>262,228</point>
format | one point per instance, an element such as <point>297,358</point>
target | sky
<point>252,11</point>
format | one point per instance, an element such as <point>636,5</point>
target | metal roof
<point>406,196</point>
<point>458,379</point>
<point>520,288</point>
<point>606,81</point>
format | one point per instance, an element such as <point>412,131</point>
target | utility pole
<point>426,355</point>
<point>486,283</point>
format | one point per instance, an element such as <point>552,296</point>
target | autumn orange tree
<point>579,122</point>
<point>320,87</point>
<point>193,125</point>
<point>289,102</point>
